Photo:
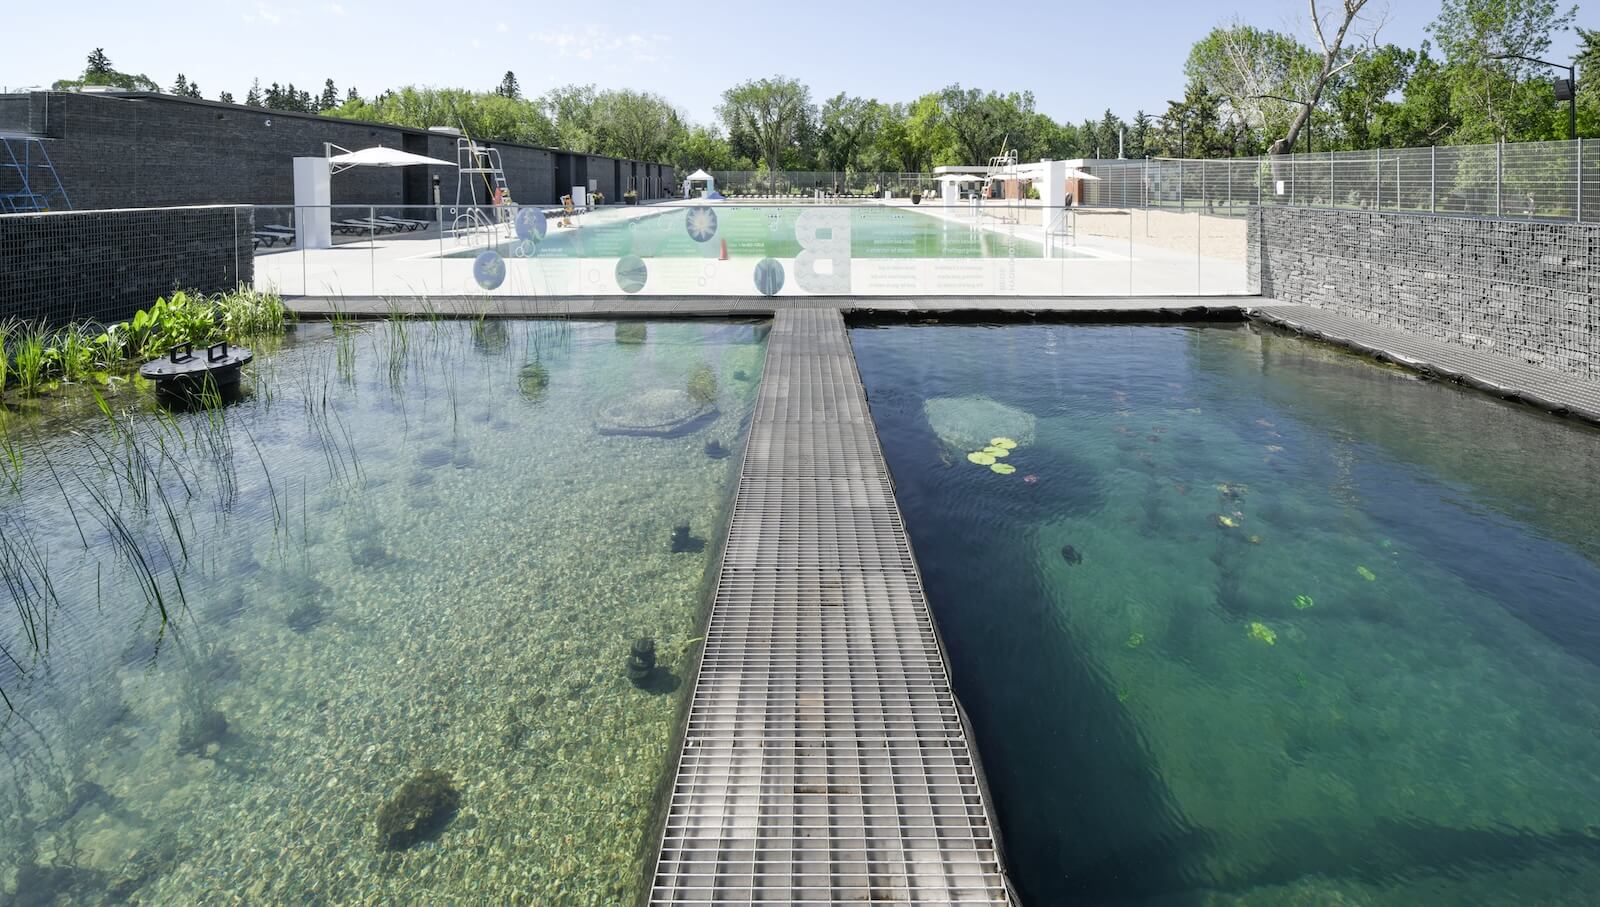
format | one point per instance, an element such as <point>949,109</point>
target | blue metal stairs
<point>28,180</point>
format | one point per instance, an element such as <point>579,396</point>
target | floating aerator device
<point>181,376</point>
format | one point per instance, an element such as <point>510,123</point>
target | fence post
<point>1433,179</point>
<point>1333,195</point>
<point>1229,166</point>
<point>1580,181</point>
<point>1499,148</point>
<point>1377,193</point>
<point>1180,184</point>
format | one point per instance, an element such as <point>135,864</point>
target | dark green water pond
<point>1249,620</point>
<point>415,552</point>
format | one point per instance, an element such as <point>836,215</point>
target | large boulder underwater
<point>660,413</point>
<point>969,423</point>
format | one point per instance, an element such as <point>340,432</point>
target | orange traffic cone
<point>724,255</point>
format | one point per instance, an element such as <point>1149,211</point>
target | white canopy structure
<point>380,156</point>
<point>699,176</point>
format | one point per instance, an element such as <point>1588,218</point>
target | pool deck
<point>825,758</point>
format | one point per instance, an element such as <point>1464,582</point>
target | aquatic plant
<point>425,803</point>
<point>980,458</point>
<point>306,617</point>
<point>29,361</point>
<point>1135,640</point>
<point>631,332</point>
<point>1002,443</point>
<point>198,731</point>
<point>702,384</point>
<point>1225,521</point>
<point>1004,469</point>
<point>997,452</point>
<point>1366,574</point>
<point>969,423</point>
<point>716,451</point>
<point>1263,633</point>
<point>1302,602</point>
<point>683,542</point>
<point>532,379</point>
<point>1071,555</point>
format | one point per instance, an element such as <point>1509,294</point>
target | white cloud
<point>502,28</point>
<point>265,15</point>
<point>594,41</point>
<point>336,9</point>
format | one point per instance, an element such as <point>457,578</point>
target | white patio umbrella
<point>962,178</point>
<point>380,156</point>
<point>1076,174</point>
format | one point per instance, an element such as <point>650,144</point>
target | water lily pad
<point>1302,602</point>
<point>1263,633</point>
<point>980,458</point>
<point>1135,640</point>
<point>1005,443</point>
<point>1366,574</point>
<point>994,451</point>
<point>1004,469</point>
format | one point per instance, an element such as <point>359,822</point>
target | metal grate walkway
<point>825,759</point>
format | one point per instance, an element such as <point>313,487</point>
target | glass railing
<point>881,247</point>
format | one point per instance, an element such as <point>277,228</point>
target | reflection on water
<point>406,580</point>
<point>1254,621</point>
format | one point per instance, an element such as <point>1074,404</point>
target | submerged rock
<point>683,542</point>
<point>199,731</point>
<point>642,660</point>
<point>716,451</point>
<point>968,423</point>
<point>306,617</point>
<point>532,380</point>
<point>1071,555</point>
<point>661,413</point>
<point>420,807</point>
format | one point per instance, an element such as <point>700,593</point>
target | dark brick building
<point>138,150</point>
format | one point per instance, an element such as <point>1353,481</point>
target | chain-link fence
<point>798,183</point>
<point>1539,180</point>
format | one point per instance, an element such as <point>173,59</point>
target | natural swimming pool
<point>769,231</point>
<point>1249,620</point>
<point>415,560</point>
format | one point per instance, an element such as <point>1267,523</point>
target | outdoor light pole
<point>1565,91</point>
<point>1305,104</point>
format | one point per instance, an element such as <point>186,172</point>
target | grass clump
<point>703,384</point>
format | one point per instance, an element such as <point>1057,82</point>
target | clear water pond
<point>430,625</point>
<point>1243,619</point>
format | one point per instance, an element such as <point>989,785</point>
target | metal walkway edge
<point>825,759</point>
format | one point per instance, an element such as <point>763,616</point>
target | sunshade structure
<point>962,178</point>
<point>700,176</point>
<point>380,156</point>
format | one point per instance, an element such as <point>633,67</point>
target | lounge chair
<point>365,225</point>
<point>405,223</point>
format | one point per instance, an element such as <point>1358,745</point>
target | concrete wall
<point>102,266</point>
<point>1525,289</point>
<point>139,150</point>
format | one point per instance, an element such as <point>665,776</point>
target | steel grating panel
<point>824,758</point>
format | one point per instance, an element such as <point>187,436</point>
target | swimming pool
<point>769,231</point>
<point>407,575</point>
<point>1246,619</point>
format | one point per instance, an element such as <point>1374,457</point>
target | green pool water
<point>1254,621</point>
<point>404,552</point>
<point>768,231</point>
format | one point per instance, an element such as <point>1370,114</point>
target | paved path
<point>825,759</point>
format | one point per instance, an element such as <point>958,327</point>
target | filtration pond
<point>1240,618</point>
<point>431,597</point>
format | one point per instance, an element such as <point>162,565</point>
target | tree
<point>1588,61</point>
<point>774,113</point>
<point>909,134</point>
<point>252,98</point>
<point>1243,65</point>
<point>1335,59</point>
<point>980,123</point>
<point>351,94</point>
<point>702,147</point>
<point>329,98</point>
<point>99,71</point>
<point>1365,114</point>
<point>572,109</point>
<point>181,86</point>
<point>508,87</point>
<point>225,97</point>
<point>636,125</point>
<point>1139,135</point>
<point>484,115</point>
<point>1499,99</point>
<point>1111,133</point>
<point>848,126</point>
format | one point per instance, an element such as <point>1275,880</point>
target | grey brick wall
<point>102,266</point>
<point>1522,288</point>
<point>153,150</point>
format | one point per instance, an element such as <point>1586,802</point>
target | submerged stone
<point>1071,555</point>
<point>968,423</point>
<point>306,617</point>
<point>683,542</point>
<point>199,731</point>
<point>716,451</point>
<point>421,806</point>
<point>661,413</point>
<point>641,660</point>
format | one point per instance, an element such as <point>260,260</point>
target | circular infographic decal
<point>769,276</point>
<point>531,224</point>
<point>631,273</point>
<point>701,224</point>
<point>489,269</point>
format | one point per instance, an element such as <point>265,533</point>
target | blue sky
<point>1077,58</point>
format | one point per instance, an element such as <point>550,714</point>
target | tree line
<point>1249,90</point>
